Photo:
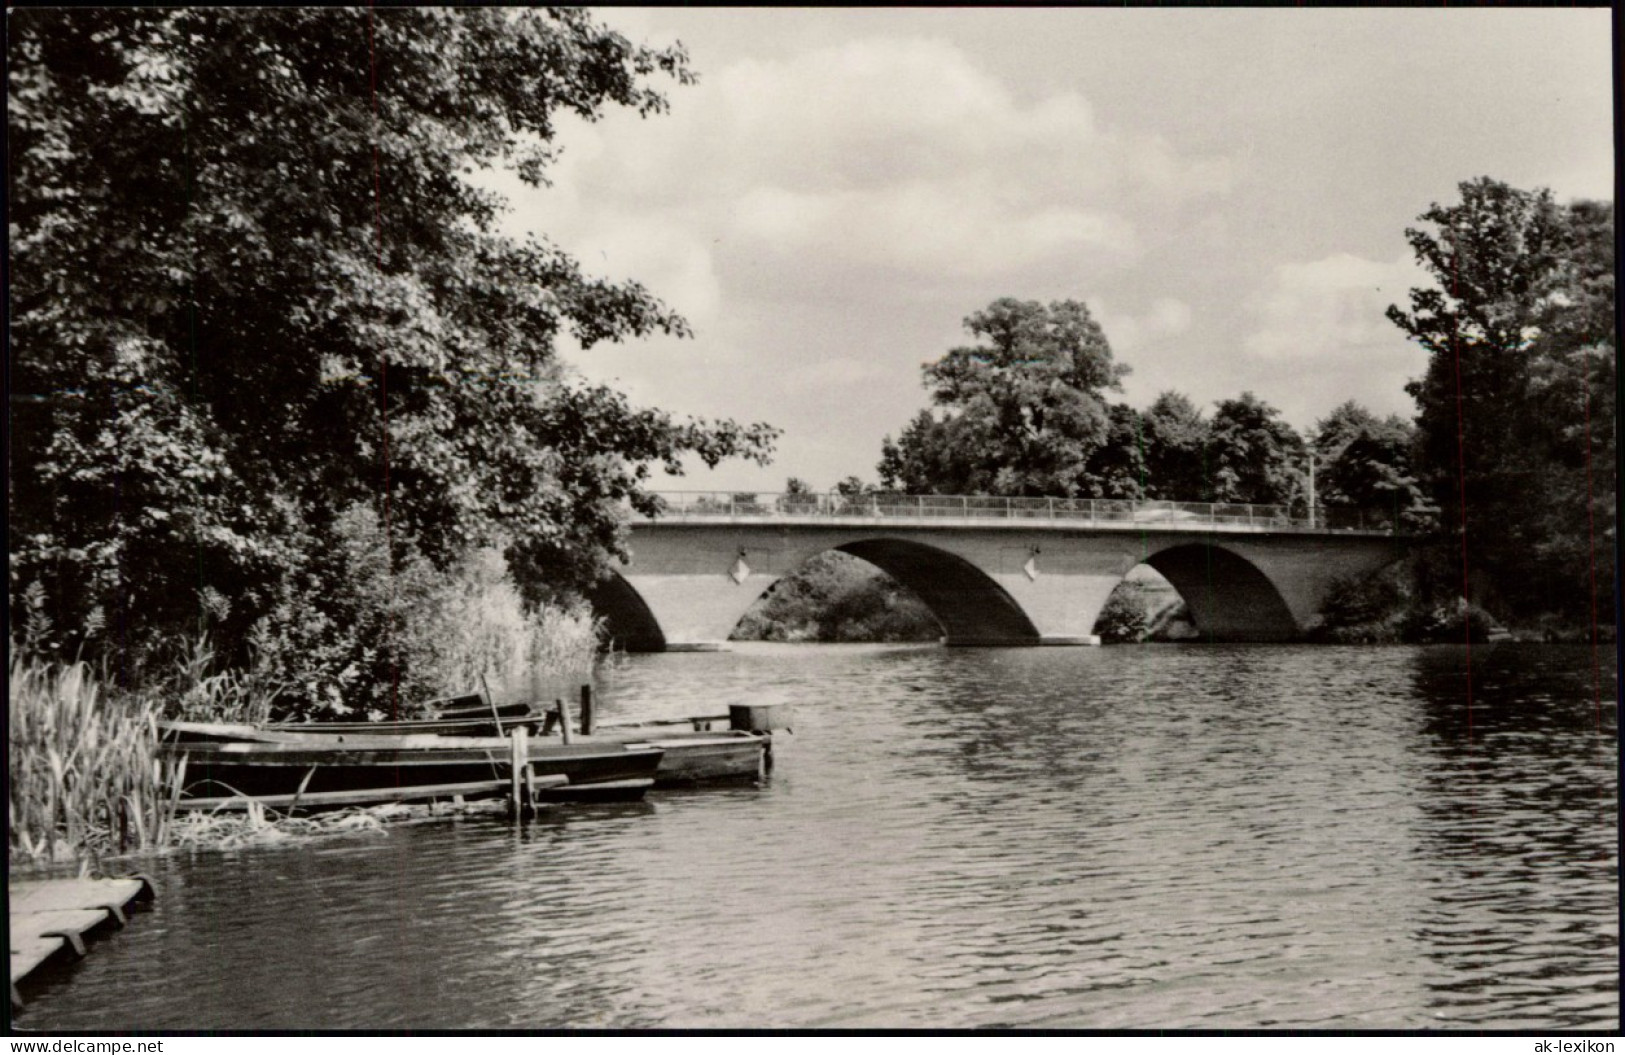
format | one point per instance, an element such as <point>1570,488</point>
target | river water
<point>1130,837</point>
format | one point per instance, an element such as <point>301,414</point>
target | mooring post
<point>564,719</point>
<point>530,782</point>
<point>518,764</point>
<point>586,710</point>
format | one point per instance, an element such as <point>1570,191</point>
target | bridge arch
<point>629,623</point>
<point>968,603</point>
<point>1230,598</point>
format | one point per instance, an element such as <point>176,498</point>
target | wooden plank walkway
<point>50,915</point>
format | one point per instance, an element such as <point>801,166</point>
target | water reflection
<point>1520,812</point>
<point>1223,836</point>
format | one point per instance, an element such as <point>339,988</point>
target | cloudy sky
<point>1226,189</point>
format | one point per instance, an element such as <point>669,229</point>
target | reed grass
<point>201,693</point>
<point>256,827</point>
<point>563,646</point>
<point>478,634</point>
<point>84,774</point>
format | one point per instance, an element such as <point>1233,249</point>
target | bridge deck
<point>992,511</point>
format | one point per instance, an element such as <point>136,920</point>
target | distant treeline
<point>1507,471</point>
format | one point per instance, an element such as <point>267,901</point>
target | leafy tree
<point>1118,468</point>
<point>853,487</point>
<point>1573,395</point>
<point>1338,429</point>
<point>1367,609</point>
<point>1019,413</point>
<point>252,290</point>
<point>1175,439</point>
<point>1254,455</point>
<point>837,597</point>
<point>1518,326</point>
<point>1125,617</point>
<point>1366,462</point>
<point>799,497</point>
<point>928,458</point>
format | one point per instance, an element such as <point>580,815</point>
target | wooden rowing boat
<point>496,721</point>
<point>692,756</point>
<point>326,800</point>
<point>603,791</point>
<point>258,768</point>
<point>350,734</point>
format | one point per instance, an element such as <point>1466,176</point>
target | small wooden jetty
<point>49,916</point>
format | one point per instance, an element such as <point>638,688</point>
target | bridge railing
<point>1152,513</point>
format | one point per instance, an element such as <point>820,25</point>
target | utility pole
<point>1311,488</point>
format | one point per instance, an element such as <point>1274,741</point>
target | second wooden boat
<point>693,756</point>
<point>216,769</point>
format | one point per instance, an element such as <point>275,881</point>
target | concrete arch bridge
<point>995,571</point>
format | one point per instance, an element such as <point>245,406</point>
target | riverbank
<point>87,781</point>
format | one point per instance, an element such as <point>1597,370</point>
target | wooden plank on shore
<point>70,924</point>
<point>366,796</point>
<point>29,951</point>
<point>56,895</point>
<point>44,916</point>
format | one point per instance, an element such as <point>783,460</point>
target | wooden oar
<point>491,700</point>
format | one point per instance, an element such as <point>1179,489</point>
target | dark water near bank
<point>1157,836</point>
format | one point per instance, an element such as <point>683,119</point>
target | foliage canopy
<point>1021,412</point>
<point>252,290</point>
<point>1516,410</point>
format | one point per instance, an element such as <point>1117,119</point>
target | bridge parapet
<point>1129,514</point>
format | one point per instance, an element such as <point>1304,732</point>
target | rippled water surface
<point>1156,836</point>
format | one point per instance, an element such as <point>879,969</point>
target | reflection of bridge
<point>995,571</point>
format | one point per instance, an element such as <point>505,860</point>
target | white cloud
<point>836,374</point>
<point>954,227</point>
<point>892,153</point>
<point>1135,331</point>
<point>1321,336</point>
<point>1332,308</point>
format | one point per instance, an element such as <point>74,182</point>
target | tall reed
<point>83,767</point>
<point>198,692</point>
<point>562,649</point>
<point>473,632</point>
